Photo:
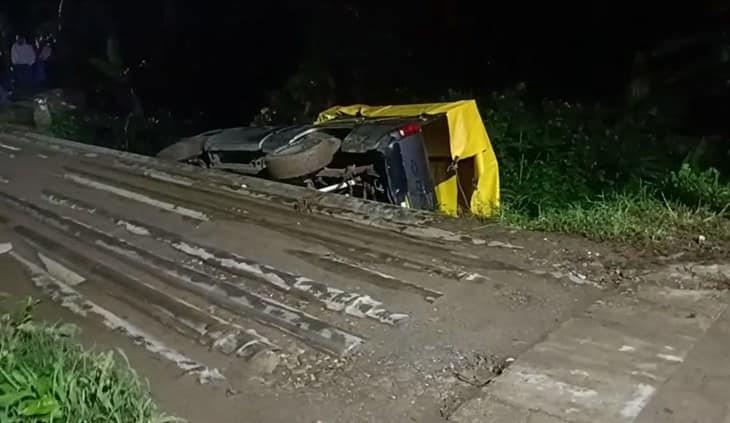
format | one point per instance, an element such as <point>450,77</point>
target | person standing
<point>23,58</point>
<point>4,96</point>
<point>4,87</point>
<point>41,64</point>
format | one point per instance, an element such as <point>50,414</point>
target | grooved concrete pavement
<point>660,356</point>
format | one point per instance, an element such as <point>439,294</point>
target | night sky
<point>223,57</point>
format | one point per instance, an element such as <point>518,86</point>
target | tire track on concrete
<point>423,231</point>
<point>373,276</point>
<point>334,299</point>
<point>316,333</point>
<point>265,205</point>
<point>135,196</point>
<point>175,313</point>
<point>74,301</point>
<point>349,241</point>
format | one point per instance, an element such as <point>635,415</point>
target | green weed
<point>70,126</point>
<point>700,188</point>
<point>46,377</point>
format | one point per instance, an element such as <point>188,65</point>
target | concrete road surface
<point>242,306</point>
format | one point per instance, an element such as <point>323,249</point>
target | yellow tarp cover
<point>469,139</point>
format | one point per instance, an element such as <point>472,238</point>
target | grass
<point>47,377</point>
<point>632,217</point>
<point>605,175</point>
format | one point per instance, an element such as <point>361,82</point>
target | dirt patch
<point>697,263</point>
<point>469,375</point>
<point>695,276</point>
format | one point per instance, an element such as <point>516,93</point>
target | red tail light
<point>408,130</point>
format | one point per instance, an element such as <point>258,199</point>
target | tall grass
<point>589,171</point>
<point>46,377</point>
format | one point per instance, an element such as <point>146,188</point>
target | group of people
<point>29,64</point>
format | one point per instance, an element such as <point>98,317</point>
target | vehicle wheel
<point>309,154</point>
<point>185,149</point>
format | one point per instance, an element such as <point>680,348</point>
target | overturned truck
<point>425,156</point>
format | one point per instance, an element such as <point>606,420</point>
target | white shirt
<point>22,55</point>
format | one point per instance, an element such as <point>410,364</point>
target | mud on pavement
<point>235,302</point>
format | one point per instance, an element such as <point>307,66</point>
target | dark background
<point>217,61</point>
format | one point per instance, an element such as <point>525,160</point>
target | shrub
<point>569,168</point>
<point>700,188</point>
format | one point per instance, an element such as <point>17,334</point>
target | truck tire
<point>309,154</point>
<point>185,149</point>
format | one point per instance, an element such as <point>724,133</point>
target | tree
<point>684,81</point>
